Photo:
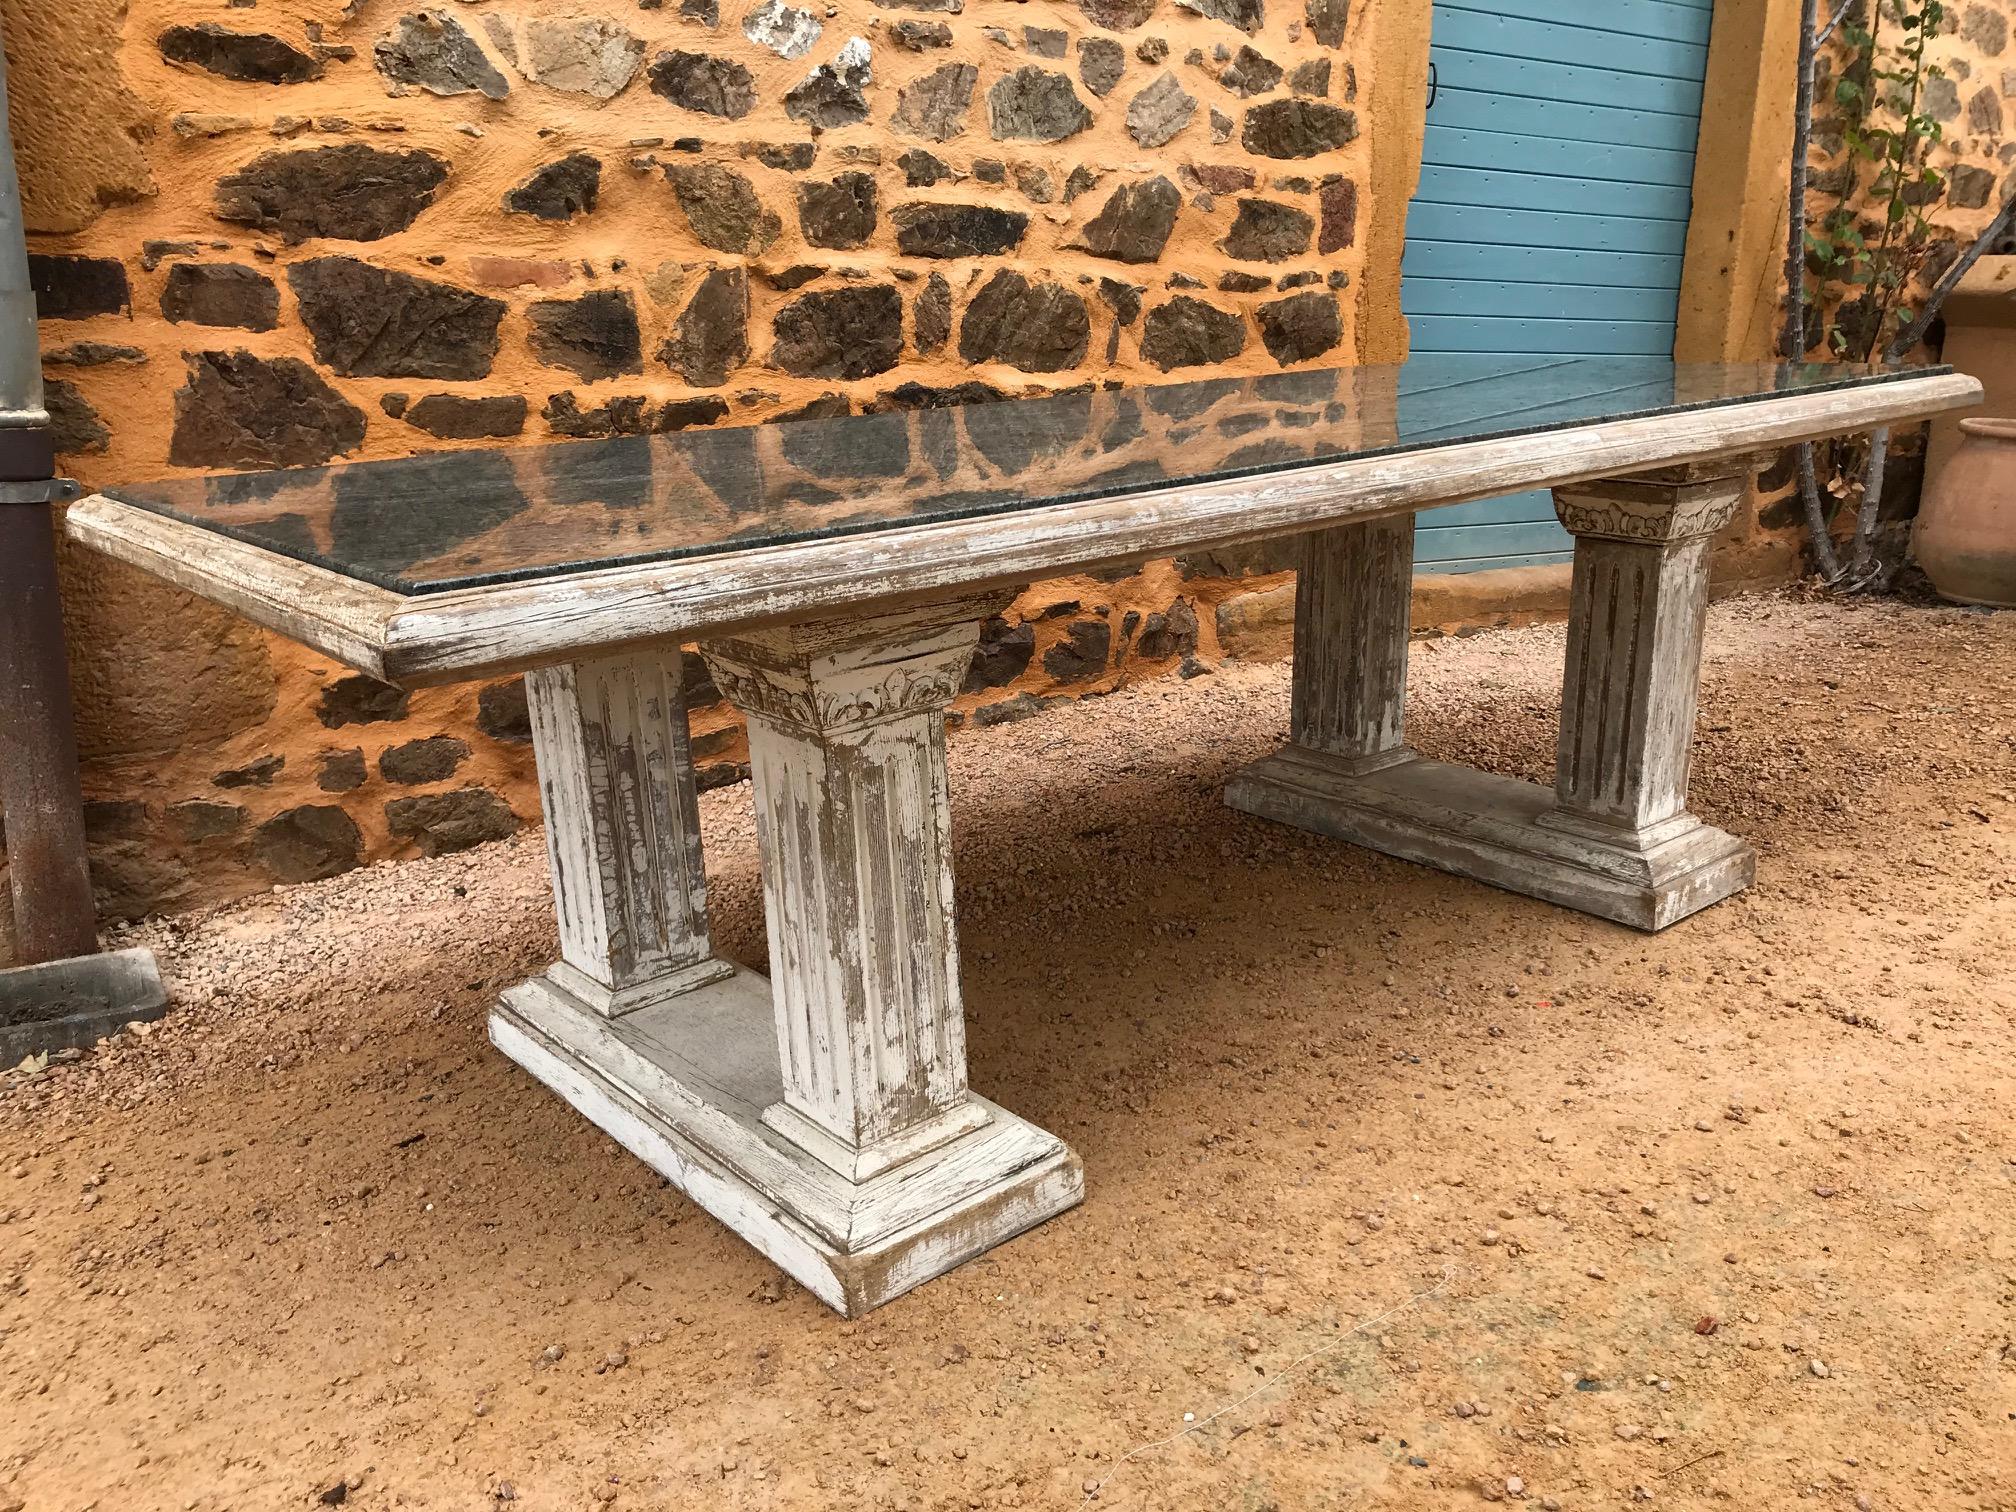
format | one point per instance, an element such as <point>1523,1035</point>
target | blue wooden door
<point>1556,183</point>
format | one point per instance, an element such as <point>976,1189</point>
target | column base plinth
<point>1501,831</point>
<point>683,1084</point>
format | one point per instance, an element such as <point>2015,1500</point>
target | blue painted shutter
<point>1556,183</point>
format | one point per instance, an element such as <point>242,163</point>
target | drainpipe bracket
<point>40,491</point>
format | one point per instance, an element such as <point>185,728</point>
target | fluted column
<point>1353,611</point>
<point>847,755</point>
<point>622,829</point>
<point>1637,611</point>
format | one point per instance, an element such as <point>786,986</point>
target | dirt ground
<point>1401,1192</point>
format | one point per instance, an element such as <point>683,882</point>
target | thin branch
<point>1795,232</point>
<point>1833,21</point>
<point>1817,526</point>
<point>1864,559</point>
<point>1794,344</point>
<point>1914,333</point>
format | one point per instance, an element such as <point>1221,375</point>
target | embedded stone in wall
<point>560,190</point>
<point>256,773</point>
<point>928,230</point>
<point>349,193</point>
<point>358,699</point>
<point>1134,224</point>
<point>839,215</point>
<point>76,288</point>
<point>1186,332</point>
<point>921,170</point>
<point>1081,655</point>
<point>722,208</point>
<point>502,712</point>
<point>931,315</point>
<point>195,820</point>
<point>1969,187</point>
<point>1158,112</point>
<point>1297,128</point>
<point>628,415</point>
<point>1117,15</point>
<point>220,294</point>
<point>433,758</point>
<point>706,12</point>
<point>704,83</point>
<point>460,417</point>
<point>74,426</point>
<point>920,36</point>
<point>1250,73</point>
<point>1247,15</point>
<point>1327,20</point>
<point>832,95</point>
<point>1984,111</point>
<point>93,354</point>
<point>784,29</point>
<point>1035,105</point>
<point>1003,655</point>
<point>429,50</point>
<point>238,410</point>
<point>1311,80</point>
<point>711,338</point>
<point>369,322</point>
<point>1169,632</point>
<point>248,57</point>
<point>785,157</point>
<point>1986,28</point>
<point>340,771</point>
<point>443,823</point>
<point>584,55</point>
<point>1266,231</point>
<point>1039,328</point>
<point>1338,202</point>
<point>308,843</point>
<point>933,106</point>
<point>1101,62</point>
<point>1300,327</point>
<point>593,337</point>
<point>841,333</point>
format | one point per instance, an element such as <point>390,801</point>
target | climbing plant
<point>1856,274</point>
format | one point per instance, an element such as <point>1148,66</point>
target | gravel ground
<point>1401,1192</point>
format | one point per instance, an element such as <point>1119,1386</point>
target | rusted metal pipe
<point>54,916</point>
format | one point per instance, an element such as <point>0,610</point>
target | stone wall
<point>283,233</point>
<point>1972,95</point>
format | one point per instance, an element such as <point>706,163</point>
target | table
<point>836,572</point>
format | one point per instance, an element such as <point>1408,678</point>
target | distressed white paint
<point>1614,838</point>
<point>1354,598</point>
<point>681,1084</point>
<point>847,758</point>
<point>1637,611</point>
<point>453,637</point>
<point>622,828</point>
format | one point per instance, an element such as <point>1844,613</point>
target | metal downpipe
<point>54,915</point>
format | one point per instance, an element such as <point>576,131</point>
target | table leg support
<point>1613,837</point>
<point>823,1114</point>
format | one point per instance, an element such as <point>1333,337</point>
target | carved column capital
<point>1651,511</point>
<point>825,677</point>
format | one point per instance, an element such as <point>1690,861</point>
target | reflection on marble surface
<point>459,519</point>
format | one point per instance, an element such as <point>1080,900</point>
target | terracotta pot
<point>1966,538</point>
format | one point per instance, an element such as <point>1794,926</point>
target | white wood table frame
<point>824,1113</point>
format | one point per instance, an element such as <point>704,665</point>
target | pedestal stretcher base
<point>682,1085</point>
<point>1492,829</point>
